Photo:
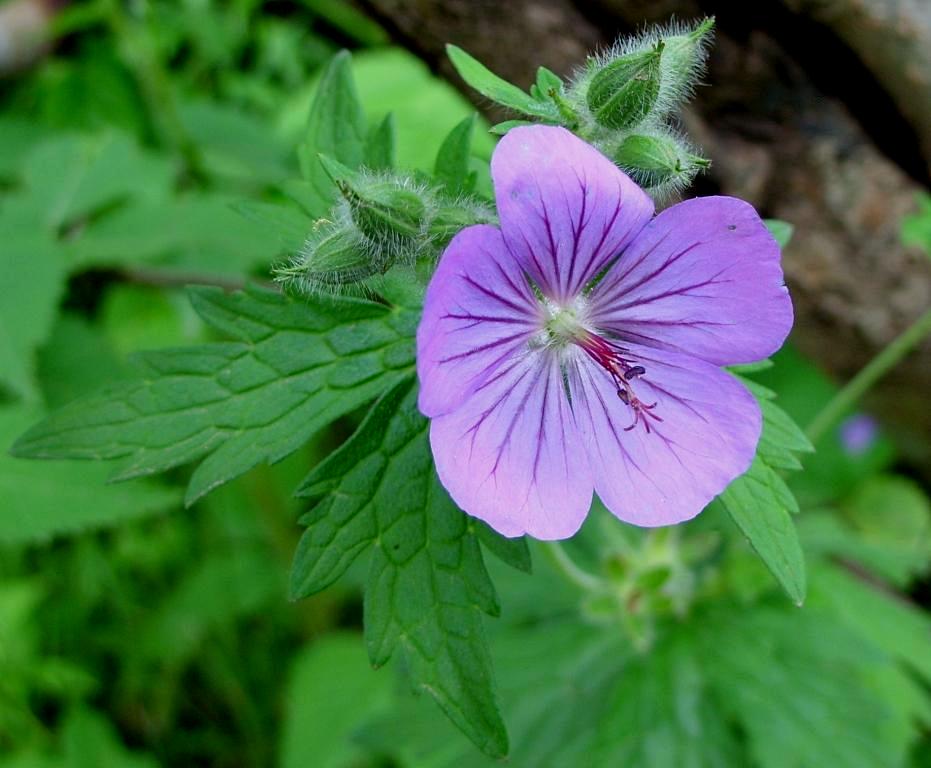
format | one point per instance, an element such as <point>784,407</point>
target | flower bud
<point>383,219</point>
<point>384,211</point>
<point>658,162</point>
<point>385,208</point>
<point>623,92</point>
<point>333,255</point>
<point>683,61</point>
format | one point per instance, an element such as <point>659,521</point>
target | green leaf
<point>916,228</point>
<point>781,438</point>
<point>336,127</point>
<point>884,526</point>
<point>47,499</point>
<point>286,223</point>
<point>761,505</point>
<point>499,129</point>
<point>234,144</point>
<point>495,88</point>
<point>513,552</point>
<point>202,234</point>
<point>330,691</point>
<point>547,81</point>
<point>776,676</point>
<point>32,279</point>
<point>213,593</point>
<point>380,149</point>
<point>427,585</point>
<point>295,368</point>
<point>780,230</point>
<point>78,176</point>
<point>90,740</point>
<point>452,161</point>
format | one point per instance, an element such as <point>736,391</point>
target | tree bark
<point>790,135</point>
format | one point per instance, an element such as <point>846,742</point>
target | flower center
<point>563,327</point>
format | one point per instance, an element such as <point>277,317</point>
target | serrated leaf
<point>513,552</point>
<point>760,504</point>
<point>782,438</point>
<point>427,586</point>
<point>294,368</point>
<point>48,499</point>
<point>451,169</point>
<point>495,88</point>
<point>336,127</point>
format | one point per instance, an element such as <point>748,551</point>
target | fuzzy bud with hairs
<point>382,219</point>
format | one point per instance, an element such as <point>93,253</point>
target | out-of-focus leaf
<point>213,594</point>
<point>32,279</point>
<point>451,168</point>
<point>336,128</point>
<point>90,741</point>
<point>331,689</point>
<point>235,145</point>
<point>781,230</point>
<point>46,499</point>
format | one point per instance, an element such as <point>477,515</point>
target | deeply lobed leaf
<point>294,368</point>
<point>427,586</point>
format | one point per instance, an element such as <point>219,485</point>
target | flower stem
<point>567,567</point>
<point>844,400</point>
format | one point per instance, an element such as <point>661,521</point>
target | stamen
<point>613,358</point>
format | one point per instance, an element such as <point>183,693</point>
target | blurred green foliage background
<point>133,158</point>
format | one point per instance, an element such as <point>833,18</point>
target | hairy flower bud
<point>659,163</point>
<point>683,61</point>
<point>333,255</point>
<point>382,219</point>
<point>623,92</point>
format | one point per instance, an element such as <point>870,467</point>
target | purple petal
<point>707,437</point>
<point>512,455</point>
<point>565,209</point>
<point>478,313</point>
<point>703,278</point>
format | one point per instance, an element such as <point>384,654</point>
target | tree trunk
<point>819,114</point>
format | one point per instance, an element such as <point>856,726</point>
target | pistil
<point>614,359</point>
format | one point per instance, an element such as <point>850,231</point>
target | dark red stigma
<point>614,359</point>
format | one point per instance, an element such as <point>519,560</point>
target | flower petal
<point>512,455</point>
<point>707,437</point>
<point>478,312</point>
<point>565,209</point>
<point>703,278</point>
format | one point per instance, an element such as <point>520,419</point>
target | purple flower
<point>577,348</point>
